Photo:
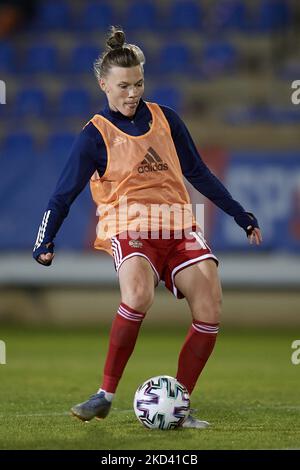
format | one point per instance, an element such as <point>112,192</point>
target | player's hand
<point>255,236</point>
<point>46,258</point>
<point>249,223</point>
<point>44,254</point>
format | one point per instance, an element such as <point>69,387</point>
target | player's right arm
<point>80,166</point>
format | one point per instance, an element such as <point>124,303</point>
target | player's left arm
<point>199,175</point>
<point>249,223</point>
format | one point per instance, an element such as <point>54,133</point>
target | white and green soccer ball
<point>161,403</point>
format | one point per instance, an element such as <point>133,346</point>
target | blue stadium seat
<point>236,116</point>
<point>18,145</point>
<point>7,58</point>
<point>245,115</point>
<point>41,59</point>
<point>58,146</point>
<point>228,15</point>
<point>186,15</point>
<point>290,69</point>
<point>97,16</point>
<point>82,58</point>
<point>74,103</point>
<point>218,58</point>
<point>168,96</point>
<point>30,103</point>
<point>175,58</point>
<point>141,15</point>
<point>284,115</point>
<point>54,15</point>
<point>273,15</point>
<point>263,112</point>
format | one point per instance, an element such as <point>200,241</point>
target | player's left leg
<point>200,285</point>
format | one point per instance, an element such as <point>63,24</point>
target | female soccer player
<point>135,154</point>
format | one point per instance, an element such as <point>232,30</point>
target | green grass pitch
<point>249,391</point>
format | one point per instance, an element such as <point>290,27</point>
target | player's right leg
<point>137,282</point>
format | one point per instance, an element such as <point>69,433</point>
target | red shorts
<point>166,256</point>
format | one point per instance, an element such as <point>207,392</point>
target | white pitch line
<point>271,407</point>
<point>68,413</point>
<point>40,415</point>
<point>30,415</point>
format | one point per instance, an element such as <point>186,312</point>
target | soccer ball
<point>161,403</point>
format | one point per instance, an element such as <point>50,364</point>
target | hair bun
<point>116,39</point>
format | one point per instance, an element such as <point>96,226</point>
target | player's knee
<point>208,310</point>
<point>215,309</point>
<point>139,297</point>
<point>215,306</point>
<point>218,306</point>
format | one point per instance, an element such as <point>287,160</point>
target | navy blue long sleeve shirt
<point>84,161</point>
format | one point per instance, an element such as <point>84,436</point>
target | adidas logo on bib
<point>152,162</point>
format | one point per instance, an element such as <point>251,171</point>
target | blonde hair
<point>117,53</point>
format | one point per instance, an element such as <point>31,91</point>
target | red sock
<point>195,351</point>
<point>123,335</point>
